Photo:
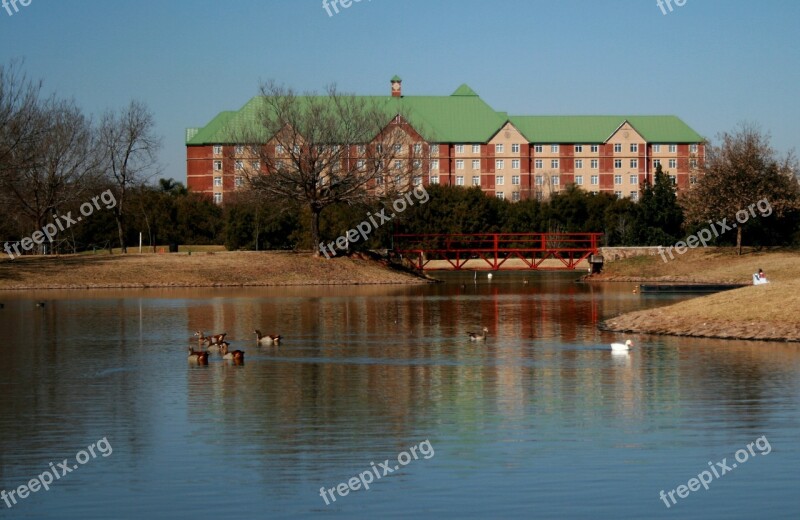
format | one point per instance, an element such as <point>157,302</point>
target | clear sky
<point>714,63</point>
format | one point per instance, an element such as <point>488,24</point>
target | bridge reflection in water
<point>495,251</point>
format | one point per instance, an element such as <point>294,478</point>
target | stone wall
<point>618,253</point>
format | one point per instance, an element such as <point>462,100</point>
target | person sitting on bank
<point>759,278</point>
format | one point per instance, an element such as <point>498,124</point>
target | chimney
<point>397,87</point>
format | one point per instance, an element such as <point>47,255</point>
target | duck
<point>216,348</point>
<point>269,339</point>
<point>474,336</point>
<point>620,347</point>
<point>40,304</point>
<point>236,355</point>
<point>201,358</point>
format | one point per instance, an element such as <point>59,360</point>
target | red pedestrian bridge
<point>496,251</point>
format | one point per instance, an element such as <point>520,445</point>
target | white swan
<point>620,347</point>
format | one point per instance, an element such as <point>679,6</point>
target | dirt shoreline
<point>761,313</point>
<point>224,269</point>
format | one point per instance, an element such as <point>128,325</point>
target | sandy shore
<point>226,269</point>
<point>767,312</point>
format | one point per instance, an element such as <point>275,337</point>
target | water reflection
<point>364,373</point>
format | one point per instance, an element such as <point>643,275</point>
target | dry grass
<point>766,312</point>
<point>197,270</point>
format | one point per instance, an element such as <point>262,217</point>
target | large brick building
<point>468,143</point>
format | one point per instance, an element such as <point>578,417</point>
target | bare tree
<point>129,146</point>
<point>20,118</point>
<point>741,170</point>
<point>324,150</point>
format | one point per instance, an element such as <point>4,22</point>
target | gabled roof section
<point>464,90</point>
<point>598,129</point>
<point>443,119</point>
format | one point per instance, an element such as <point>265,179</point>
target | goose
<point>201,358</point>
<point>474,336</point>
<point>619,347</point>
<point>269,339</point>
<point>216,347</point>
<point>214,339</point>
<point>236,355</point>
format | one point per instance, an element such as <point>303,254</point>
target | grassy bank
<point>219,269</point>
<point>766,312</point>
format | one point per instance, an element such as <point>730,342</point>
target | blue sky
<point>714,63</point>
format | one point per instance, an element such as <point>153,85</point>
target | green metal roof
<point>464,117</point>
<point>396,78</point>
<point>597,129</point>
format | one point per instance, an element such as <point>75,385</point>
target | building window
<point>379,181</point>
<point>554,164</point>
<point>238,165</point>
<point>239,149</point>
<point>578,148</point>
<point>618,148</point>
<point>217,149</point>
<point>617,179</point>
<point>434,149</point>
<point>459,148</point>
<point>499,180</point>
<point>398,148</point>
<point>360,164</point>
<point>515,148</point>
<point>634,179</point>
<point>555,180</point>
<point>515,164</point>
<point>553,148</point>
<point>617,163</point>
<point>217,166</point>
<point>296,149</point>
<point>218,198</point>
<point>537,148</point>
<point>634,163</point>
<point>538,164</point>
<point>500,164</point>
<point>500,195</point>
<point>255,165</point>
<point>217,181</point>
<point>417,181</point>
<point>515,196</point>
<point>417,164</point>
<point>238,182</point>
<point>362,149</point>
<point>459,180</point>
<point>417,148</point>
<point>693,148</point>
<point>539,180</point>
<point>595,180</point>
<point>459,164</point>
<point>476,164</point>
<point>634,196</point>
<point>656,163</point>
<point>618,194</point>
<point>579,180</point>
<point>538,195</point>
<point>693,164</point>
<point>634,148</point>
<point>673,163</point>
<point>398,165</point>
<point>656,148</point>
<point>278,149</point>
<point>673,179</point>
<point>693,179</point>
<point>476,180</point>
<point>499,148</point>
<point>595,148</point>
<point>434,164</point>
<point>673,148</point>
<point>594,164</point>
<point>579,164</point>
<point>434,179</point>
<point>515,180</point>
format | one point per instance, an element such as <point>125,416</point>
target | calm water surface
<point>540,421</point>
